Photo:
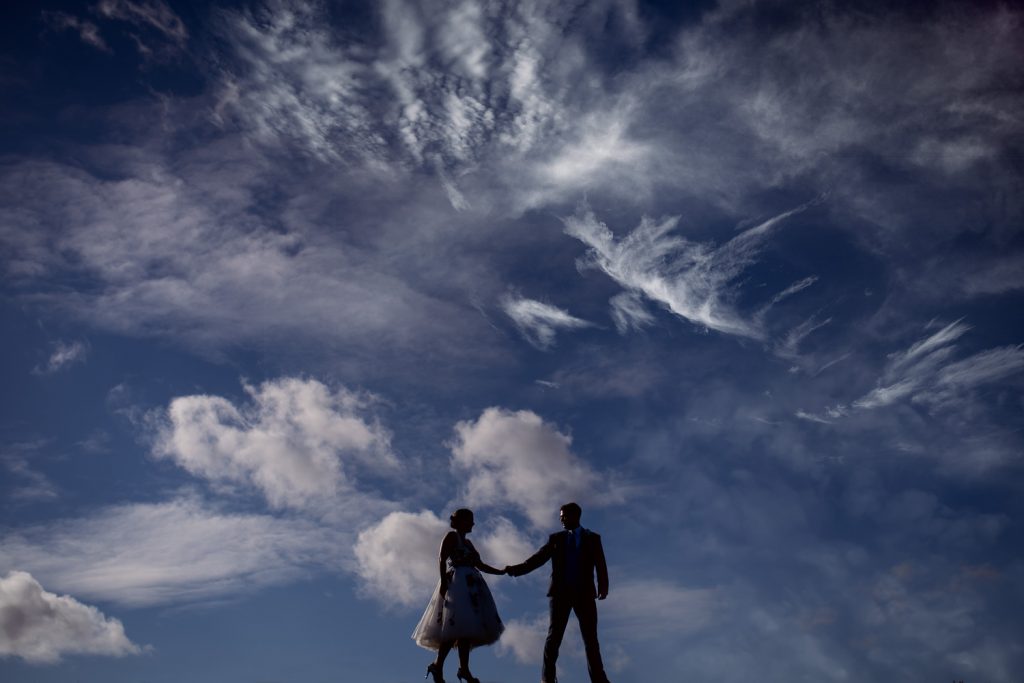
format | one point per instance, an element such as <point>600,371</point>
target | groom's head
<point>570,515</point>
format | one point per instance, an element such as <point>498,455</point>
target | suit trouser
<point>586,613</point>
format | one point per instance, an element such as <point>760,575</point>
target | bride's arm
<point>488,569</point>
<point>442,559</point>
<point>483,566</point>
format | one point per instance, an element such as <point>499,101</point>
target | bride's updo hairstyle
<point>459,516</point>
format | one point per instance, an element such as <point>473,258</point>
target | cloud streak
<point>63,355</point>
<point>539,322</point>
<point>693,280</point>
<point>929,374</point>
<point>176,552</point>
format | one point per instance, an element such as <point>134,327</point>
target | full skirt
<point>466,613</point>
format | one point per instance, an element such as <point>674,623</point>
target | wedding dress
<point>467,611</point>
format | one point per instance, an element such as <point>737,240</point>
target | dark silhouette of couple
<point>461,613</point>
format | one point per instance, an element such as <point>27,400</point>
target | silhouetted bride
<point>461,612</point>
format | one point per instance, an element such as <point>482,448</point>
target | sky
<point>284,283</point>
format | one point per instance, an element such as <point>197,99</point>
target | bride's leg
<point>442,653</point>
<point>464,656</point>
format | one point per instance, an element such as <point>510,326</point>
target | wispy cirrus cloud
<point>693,280</point>
<point>628,312</point>
<point>33,485</point>
<point>41,627</point>
<point>929,373</point>
<point>470,88</point>
<point>538,322</point>
<point>190,257</point>
<point>64,354</point>
<point>154,15</point>
<point>175,552</point>
<point>87,30</point>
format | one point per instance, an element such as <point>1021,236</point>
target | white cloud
<point>503,543</point>
<point>984,367</point>
<point>396,558</point>
<point>629,313</point>
<point>789,346</point>
<point>35,485</point>
<point>174,552</point>
<point>298,442</point>
<point>524,639</point>
<point>602,151</point>
<point>811,417</point>
<point>191,258</point>
<point>693,280</point>
<point>925,347</point>
<point>636,611</point>
<point>152,13</point>
<point>538,322</point>
<point>798,286</point>
<point>643,609</point>
<point>928,373</point>
<point>39,626</point>
<point>87,30</point>
<point>455,197</point>
<point>63,355</point>
<point>291,82</point>
<point>517,459</point>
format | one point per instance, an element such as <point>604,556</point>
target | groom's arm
<point>532,562</point>
<point>602,569</point>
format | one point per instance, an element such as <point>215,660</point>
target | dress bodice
<point>463,555</point>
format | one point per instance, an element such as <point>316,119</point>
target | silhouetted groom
<point>575,555</point>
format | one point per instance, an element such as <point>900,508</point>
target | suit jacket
<point>591,560</point>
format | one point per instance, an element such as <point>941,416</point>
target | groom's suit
<point>573,565</point>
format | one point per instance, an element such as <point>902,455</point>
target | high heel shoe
<point>464,675</point>
<point>437,672</point>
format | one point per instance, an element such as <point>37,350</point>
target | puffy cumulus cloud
<point>174,552</point>
<point>515,458</point>
<point>538,322</point>
<point>39,626</point>
<point>502,542</point>
<point>524,639</point>
<point>396,558</point>
<point>695,281</point>
<point>298,442</point>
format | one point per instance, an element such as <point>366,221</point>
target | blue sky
<point>286,282</point>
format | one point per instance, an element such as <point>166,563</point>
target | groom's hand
<point>508,570</point>
<point>602,596</point>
